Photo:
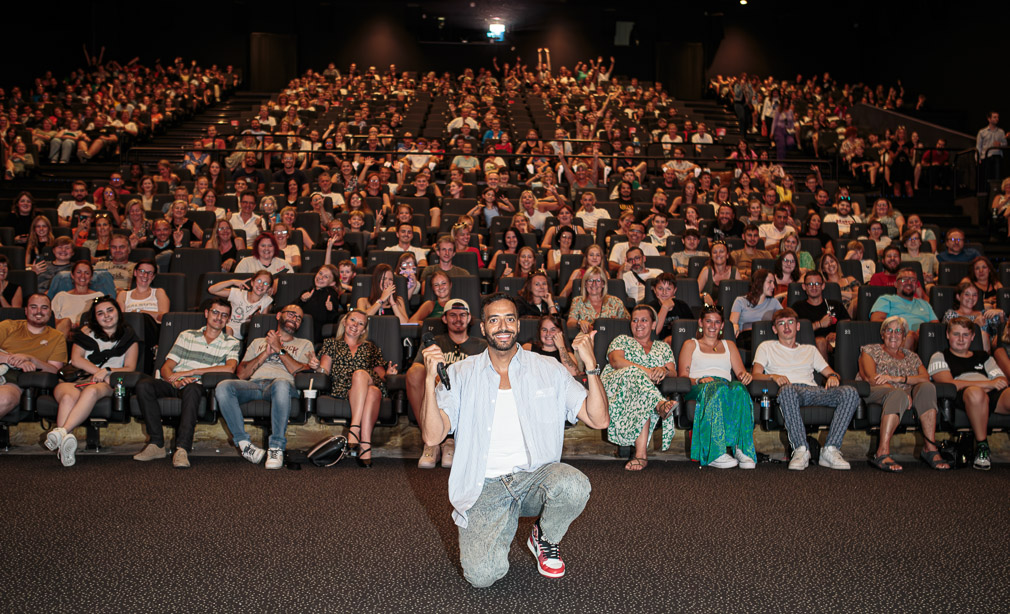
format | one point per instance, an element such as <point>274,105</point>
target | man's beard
<point>501,346</point>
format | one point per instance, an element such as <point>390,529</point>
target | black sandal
<point>365,447</point>
<point>353,448</point>
<point>891,467</point>
<point>934,459</point>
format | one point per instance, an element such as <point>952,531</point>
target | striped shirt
<point>191,350</point>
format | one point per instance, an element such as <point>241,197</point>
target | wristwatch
<point>595,371</point>
<point>282,352</point>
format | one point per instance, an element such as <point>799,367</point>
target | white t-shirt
<point>242,310</point>
<point>507,449</point>
<point>251,264</point>
<point>72,306</point>
<point>798,363</point>
<point>633,288</point>
<point>620,251</point>
<point>773,235</point>
<point>67,208</point>
<point>252,228</point>
<point>589,219</point>
<point>420,254</point>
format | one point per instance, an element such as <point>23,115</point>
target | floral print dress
<point>632,395</point>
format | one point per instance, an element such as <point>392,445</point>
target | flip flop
<point>933,458</point>
<point>891,467</point>
<point>670,405</point>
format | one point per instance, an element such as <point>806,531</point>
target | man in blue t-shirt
<point>903,303</point>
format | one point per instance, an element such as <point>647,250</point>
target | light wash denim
<point>556,492</point>
<point>232,393</point>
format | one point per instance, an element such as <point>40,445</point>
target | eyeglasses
<point>144,272</point>
<point>594,281</point>
<point>906,280</point>
<point>790,322</point>
<point>815,284</point>
<point>955,240</point>
<point>293,314</point>
<point>219,314</point>
<point>281,233</point>
<point>894,331</point>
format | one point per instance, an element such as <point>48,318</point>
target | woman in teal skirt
<point>635,365</point>
<point>724,412</point>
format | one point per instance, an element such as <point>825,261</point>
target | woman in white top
<point>723,413</point>
<point>143,298</point>
<point>210,204</point>
<point>247,297</point>
<point>70,304</point>
<point>264,252</point>
<point>104,346</point>
<point>291,253</point>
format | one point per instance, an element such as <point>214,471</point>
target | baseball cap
<point>457,303</point>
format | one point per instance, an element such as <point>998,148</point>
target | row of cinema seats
<point>39,404</point>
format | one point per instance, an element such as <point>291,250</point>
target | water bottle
<point>766,403</point>
<point>119,400</point>
<point>120,389</point>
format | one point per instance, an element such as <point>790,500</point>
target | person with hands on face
<point>636,364</point>
<point>382,299</point>
<point>209,349</point>
<point>550,341</point>
<point>899,381</point>
<point>104,346</point>
<point>508,408</point>
<point>824,314</point>
<point>357,371</point>
<point>724,411</point>
<point>791,366</point>
<point>267,372</point>
<point>535,296</point>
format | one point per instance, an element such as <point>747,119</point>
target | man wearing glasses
<point>903,303</point>
<point>956,250</point>
<point>66,209</point>
<point>823,313</point>
<point>267,372</point>
<point>791,365</point>
<point>205,350</point>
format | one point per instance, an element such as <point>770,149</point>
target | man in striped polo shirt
<point>206,350</point>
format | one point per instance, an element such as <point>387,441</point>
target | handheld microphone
<point>426,340</point>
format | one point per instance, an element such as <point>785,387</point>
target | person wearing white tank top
<point>154,303</point>
<point>507,407</point>
<point>723,410</point>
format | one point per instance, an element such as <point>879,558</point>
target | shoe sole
<point>837,468</point>
<point>53,441</point>
<point>68,451</point>
<point>747,465</point>
<point>180,464</point>
<point>801,468</point>
<point>145,459</point>
<point>723,465</point>
<point>981,467</point>
<point>281,466</point>
<point>536,555</point>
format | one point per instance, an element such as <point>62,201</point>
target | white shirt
<point>420,254</point>
<point>619,252</point>
<point>506,450</point>
<point>252,228</point>
<point>67,208</point>
<point>633,288</point>
<point>589,218</point>
<point>798,363</point>
<point>773,235</point>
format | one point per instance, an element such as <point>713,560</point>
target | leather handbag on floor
<point>328,452</point>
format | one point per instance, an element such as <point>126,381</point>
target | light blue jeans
<point>556,492</point>
<point>232,393</point>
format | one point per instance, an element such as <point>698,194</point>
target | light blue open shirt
<point>546,395</point>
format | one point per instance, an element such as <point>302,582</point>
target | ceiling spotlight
<point>743,2</point>
<point>496,27</point>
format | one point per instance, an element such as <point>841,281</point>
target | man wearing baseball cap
<point>456,345</point>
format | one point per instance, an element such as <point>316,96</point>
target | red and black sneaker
<point>548,555</point>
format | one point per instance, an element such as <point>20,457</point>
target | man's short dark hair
<point>812,273</point>
<point>494,298</point>
<point>42,294</point>
<point>891,248</point>
<point>692,232</point>
<point>961,321</point>
<point>634,249</point>
<point>664,278</point>
<point>907,269</point>
<point>220,302</point>
<point>951,232</point>
<point>750,227</point>
<point>409,225</point>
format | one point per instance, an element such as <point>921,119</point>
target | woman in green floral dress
<point>635,365</point>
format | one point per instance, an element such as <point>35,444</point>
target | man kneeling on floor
<point>791,365</point>
<point>508,408</point>
<point>195,352</point>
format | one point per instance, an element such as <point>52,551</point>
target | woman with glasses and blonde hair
<point>594,302</point>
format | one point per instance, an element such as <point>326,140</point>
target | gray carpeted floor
<point>112,534</point>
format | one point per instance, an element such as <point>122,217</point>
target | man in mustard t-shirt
<point>28,345</point>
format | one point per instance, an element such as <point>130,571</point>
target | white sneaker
<point>831,457</point>
<point>801,458</point>
<point>54,437</point>
<point>744,461</point>
<point>68,450</point>
<point>275,458</point>
<point>724,462</point>
<point>251,452</point>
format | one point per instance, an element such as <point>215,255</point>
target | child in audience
<point>854,251</point>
